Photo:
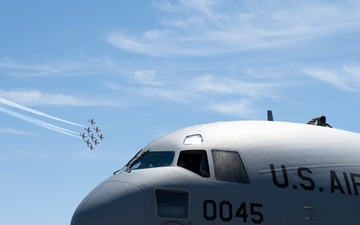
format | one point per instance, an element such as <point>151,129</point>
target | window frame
<point>159,205</point>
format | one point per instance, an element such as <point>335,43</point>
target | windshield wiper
<point>127,167</point>
<point>136,157</point>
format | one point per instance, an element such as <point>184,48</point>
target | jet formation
<point>91,138</point>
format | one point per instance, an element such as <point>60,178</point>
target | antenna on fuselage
<point>270,115</point>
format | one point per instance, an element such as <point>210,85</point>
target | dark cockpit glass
<point>153,159</point>
<point>196,161</point>
<point>229,167</point>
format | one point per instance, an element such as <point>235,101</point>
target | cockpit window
<point>195,161</point>
<point>153,159</point>
<point>229,167</point>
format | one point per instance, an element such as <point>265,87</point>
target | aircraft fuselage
<point>250,172</point>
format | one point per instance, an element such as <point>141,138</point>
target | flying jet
<point>92,121</point>
<point>101,136</point>
<point>93,137</point>
<point>83,135</point>
<point>236,172</point>
<point>91,147</point>
<point>97,129</point>
<point>88,142</point>
<point>88,130</point>
<point>96,142</point>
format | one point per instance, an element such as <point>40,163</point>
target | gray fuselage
<point>242,172</point>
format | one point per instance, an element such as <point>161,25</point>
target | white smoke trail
<point>40,123</point>
<point>13,104</point>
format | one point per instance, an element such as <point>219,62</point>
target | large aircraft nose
<point>111,203</point>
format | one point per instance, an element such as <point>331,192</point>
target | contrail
<point>40,123</point>
<point>13,104</point>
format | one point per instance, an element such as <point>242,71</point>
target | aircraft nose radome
<point>111,203</point>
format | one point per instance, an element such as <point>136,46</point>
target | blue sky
<point>143,69</point>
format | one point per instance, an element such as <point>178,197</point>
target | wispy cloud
<point>207,27</point>
<point>4,130</point>
<point>15,68</point>
<point>221,94</point>
<point>353,71</point>
<point>241,107</point>
<point>346,78</point>
<point>79,65</point>
<point>210,84</point>
<point>36,97</point>
<point>147,77</point>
